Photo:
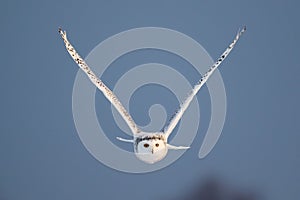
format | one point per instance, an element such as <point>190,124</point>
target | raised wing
<point>178,114</point>
<point>99,84</point>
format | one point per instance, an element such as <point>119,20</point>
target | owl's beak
<point>152,150</point>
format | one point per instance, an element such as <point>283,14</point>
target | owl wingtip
<point>60,30</point>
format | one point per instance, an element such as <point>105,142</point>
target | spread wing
<point>178,114</point>
<point>99,84</point>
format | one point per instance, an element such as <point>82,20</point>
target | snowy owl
<point>149,147</point>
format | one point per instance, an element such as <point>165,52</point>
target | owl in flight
<point>149,147</point>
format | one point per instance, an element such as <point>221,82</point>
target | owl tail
<point>176,147</point>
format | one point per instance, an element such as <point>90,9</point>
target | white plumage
<point>148,147</point>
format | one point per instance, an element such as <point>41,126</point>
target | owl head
<point>151,148</point>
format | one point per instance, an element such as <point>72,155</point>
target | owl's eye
<point>146,145</point>
<point>157,145</point>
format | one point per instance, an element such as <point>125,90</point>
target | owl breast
<point>152,158</point>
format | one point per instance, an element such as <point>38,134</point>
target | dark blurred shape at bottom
<point>214,189</point>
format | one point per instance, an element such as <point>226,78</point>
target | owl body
<point>150,147</point>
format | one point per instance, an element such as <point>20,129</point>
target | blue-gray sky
<point>41,155</point>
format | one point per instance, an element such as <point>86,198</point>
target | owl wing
<point>178,114</point>
<point>99,84</point>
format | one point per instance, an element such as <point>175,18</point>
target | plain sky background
<point>41,155</point>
